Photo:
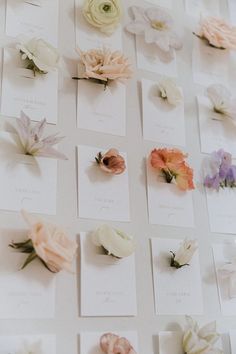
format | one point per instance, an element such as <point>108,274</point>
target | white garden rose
<point>42,56</point>
<point>115,242</point>
<point>170,91</point>
<point>103,14</point>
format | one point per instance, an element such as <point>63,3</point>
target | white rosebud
<point>115,242</point>
<point>40,54</point>
<point>184,254</point>
<point>171,92</point>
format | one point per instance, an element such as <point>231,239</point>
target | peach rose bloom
<point>51,244</point>
<point>112,344</point>
<point>111,162</point>
<point>103,64</point>
<point>218,33</point>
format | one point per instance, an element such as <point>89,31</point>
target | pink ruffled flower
<point>112,344</point>
<point>111,162</point>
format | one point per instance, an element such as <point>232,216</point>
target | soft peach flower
<point>173,166</point>
<point>112,344</point>
<point>218,33</point>
<point>111,162</point>
<point>104,65</point>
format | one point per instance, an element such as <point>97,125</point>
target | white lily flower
<point>221,100</point>
<point>41,57</point>
<point>115,242</point>
<point>228,271</point>
<point>31,348</point>
<point>170,91</point>
<point>184,254</point>
<point>156,25</point>
<point>200,341</point>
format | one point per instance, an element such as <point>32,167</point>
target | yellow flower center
<point>158,25</point>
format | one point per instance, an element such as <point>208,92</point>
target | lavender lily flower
<point>33,143</point>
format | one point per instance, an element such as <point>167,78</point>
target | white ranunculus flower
<point>103,14</point>
<point>115,242</point>
<point>200,341</point>
<point>170,91</point>
<point>221,100</point>
<point>184,254</point>
<point>31,348</point>
<point>42,57</point>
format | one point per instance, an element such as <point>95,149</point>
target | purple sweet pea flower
<point>231,176</point>
<point>212,182</point>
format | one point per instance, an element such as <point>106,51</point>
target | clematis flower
<point>48,243</point>
<point>103,14</point>
<point>31,138</point>
<point>157,27</point>
<point>221,100</point>
<point>218,33</point>
<point>222,173</point>
<point>200,341</point>
<point>228,272</point>
<point>171,163</point>
<point>111,162</point>
<point>184,254</point>
<point>31,348</point>
<point>103,66</point>
<point>115,242</point>
<point>112,344</point>
<point>39,55</point>
<point>168,90</point>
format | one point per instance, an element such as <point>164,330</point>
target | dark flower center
<point>106,8</point>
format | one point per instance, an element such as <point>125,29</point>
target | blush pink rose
<point>51,244</point>
<point>112,344</point>
<point>219,33</point>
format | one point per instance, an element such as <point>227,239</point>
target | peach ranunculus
<point>111,162</point>
<point>112,344</point>
<point>171,163</point>
<point>103,65</point>
<point>49,243</point>
<point>218,33</point>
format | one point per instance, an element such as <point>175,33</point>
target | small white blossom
<point>222,101</point>
<point>170,91</point>
<point>184,254</point>
<point>31,348</point>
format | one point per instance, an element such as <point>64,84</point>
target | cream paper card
<point>163,3</point>
<point>221,210</point>
<point>46,344</point>
<point>89,341</point>
<point>149,58</point>
<point>224,253</point>
<point>102,110</point>
<point>232,11</point>
<point>100,195</point>
<point>162,122</point>
<point>177,291</point>
<point>210,65</point>
<point>232,335</point>
<point>27,19</point>
<point>102,294</point>
<point>167,205</point>
<point>170,342</point>
<point>198,8</point>
<point>29,293</point>
<point>216,131</point>
<point>36,96</point>
<point>26,182</point>
<point>89,37</point>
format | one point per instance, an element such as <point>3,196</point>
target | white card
<point>101,196</point>
<point>163,3</point>
<point>167,205</point>
<point>108,286</point>
<point>232,11</point>
<point>90,341</point>
<point>170,342</point>
<point>198,8</point>
<point>23,18</point>
<point>177,291</point>
<point>232,335</point>
<point>224,253</point>
<point>162,122</point>
<point>221,210</point>
<point>29,293</point>
<point>149,59</point>
<point>89,37</point>
<point>216,131</point>
<point>210,65</point>
<point>37,97</point>
<point>102,110</point>
<point>26,344</point>
<point>26,182</point>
